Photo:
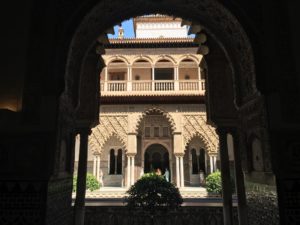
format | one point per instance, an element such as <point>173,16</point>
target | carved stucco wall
<point>119,120</point>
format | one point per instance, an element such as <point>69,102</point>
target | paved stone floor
<point>118,192</point>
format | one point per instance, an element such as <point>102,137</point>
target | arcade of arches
<point>50,93</point>
<point>146,141</point>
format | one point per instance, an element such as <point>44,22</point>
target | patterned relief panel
<point>195,125</point>
<point>109,125</point>
<point>22,202</point>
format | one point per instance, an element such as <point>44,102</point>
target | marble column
<point>211,162</point>
<point>215,163</point>
<point>181,172</point>
<point>79,206</point>
<point>176,79</point>
<point>116,160</point>
<point>199,79</point>
<point>153,78</point>
<point>105,79</point>
<point>132,170</point>
<point>95,166</point>
<point>129,78</point>
<point>177,171</point>
<point>225,176</point>
<point>98,167</point>
<point>128,171</point>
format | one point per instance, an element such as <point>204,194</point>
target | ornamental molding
<point>196,126</point>
<point>160,111</point>
<point>110,126</point>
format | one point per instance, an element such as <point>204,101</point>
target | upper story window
<point>165,131</point>
<point>137,77</point>
<point>156,131</point>
<point>147,131</point>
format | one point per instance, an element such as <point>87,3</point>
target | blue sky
<point>128,30</point>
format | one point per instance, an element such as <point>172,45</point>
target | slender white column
<point>176,79</point>
<point>95,166</point>
<point>199,79</point>
<point>128,171</point>
<point>177,172</point>
<point>105,78</point>
<point>215,163</point>
<point>153,78</point>
<point>129,78</point>
<point>181,172</point>
<point>132,170</point>
<point>116,161</point>
<point>98,167</point>
<point>211,164</point>
<point>199,73</point>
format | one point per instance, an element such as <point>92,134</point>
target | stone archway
<point>156,157</point>
<point>230,53</point>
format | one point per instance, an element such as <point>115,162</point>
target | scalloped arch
<point>158,110</point>
<point>209,148</point>
<point>97,146</point>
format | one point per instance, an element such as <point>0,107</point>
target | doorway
<point>156,157</point>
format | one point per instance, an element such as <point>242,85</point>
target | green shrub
<point>213,183</point>
<point>152,190</point>
<point>91,183</point>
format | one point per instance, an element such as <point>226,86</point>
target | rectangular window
<point>156,131</point>
<point>166,131</point>
<point>147,131</point>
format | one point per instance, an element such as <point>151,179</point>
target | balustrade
<point>116,86</point>
<point>153,85</point>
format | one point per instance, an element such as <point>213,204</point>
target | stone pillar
<point>129,78</point>
<point>177,171</point>
<point>79,205</point>
<point>211,164</point>
<point>225,176</point>
<point>128,171</point>
<point>98,167</point>
<point>181,172</point>
<point>105,78</point>
<point>239,180</point>
<point>199,79</point>
<point>95,166</point>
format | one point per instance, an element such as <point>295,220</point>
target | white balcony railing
<point>143,86</point>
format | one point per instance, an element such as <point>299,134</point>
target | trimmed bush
<point>213,183</point>
<point>151,191</point>
<point>91,183</point>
